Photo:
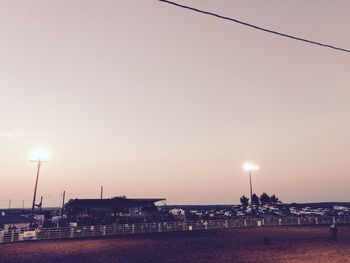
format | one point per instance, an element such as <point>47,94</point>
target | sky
<point>150,100</point>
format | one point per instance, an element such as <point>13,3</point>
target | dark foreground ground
<point>287,244</point>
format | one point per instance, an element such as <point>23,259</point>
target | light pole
<point>39,156</point>
<point>250,167</point>
<point>35,188</point>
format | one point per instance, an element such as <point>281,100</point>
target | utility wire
<point>255,27</point>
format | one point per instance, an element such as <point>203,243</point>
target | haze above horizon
<point>153,101</point>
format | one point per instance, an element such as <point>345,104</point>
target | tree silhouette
<point>244,200</point>
<point>255,200</point>
<point>265,198</point>
<point>274,199</point>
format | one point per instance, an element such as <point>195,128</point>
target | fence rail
<point>19,235</point>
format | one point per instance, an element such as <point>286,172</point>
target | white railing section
<point>18,235</point>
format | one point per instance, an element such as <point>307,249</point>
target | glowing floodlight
<point>40,154</point>
<point>250,167</point>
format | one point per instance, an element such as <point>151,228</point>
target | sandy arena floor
<point>287,244</point>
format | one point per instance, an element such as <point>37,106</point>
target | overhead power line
<point>255,27</point>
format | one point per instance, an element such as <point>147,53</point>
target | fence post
<point>133,228</point>
<point>333,220</point>
<point>245,222</point>
<point>316,220</point>
<point>72,232</point>
<point>159,227</point>
<point>104,230</point>
<point>226,224</point>
<point>13,236</point>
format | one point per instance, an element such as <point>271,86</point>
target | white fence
<point>18,235</point>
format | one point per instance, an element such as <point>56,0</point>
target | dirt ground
<point>286,244</point>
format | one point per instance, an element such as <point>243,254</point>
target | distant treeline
<point>263,199</point>
<point>201,207</point>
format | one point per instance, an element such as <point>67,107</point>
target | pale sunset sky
<point>150,100</point>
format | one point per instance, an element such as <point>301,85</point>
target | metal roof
<point>112,202</point>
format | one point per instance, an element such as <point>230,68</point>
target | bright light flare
<point>39,154</point>
<point>247,166</point>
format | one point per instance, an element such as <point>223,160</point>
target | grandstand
<point>111,210</point>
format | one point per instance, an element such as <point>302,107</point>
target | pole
<point>41,203</point>
<point>63,197</point>
<point>251,190</point>
<point>35,188</point>
<point>101,192</point>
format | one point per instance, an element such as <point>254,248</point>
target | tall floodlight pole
<point>38,156</point>
<point>35,188</point>
<point>251,189</point>
<point>250,167</point>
